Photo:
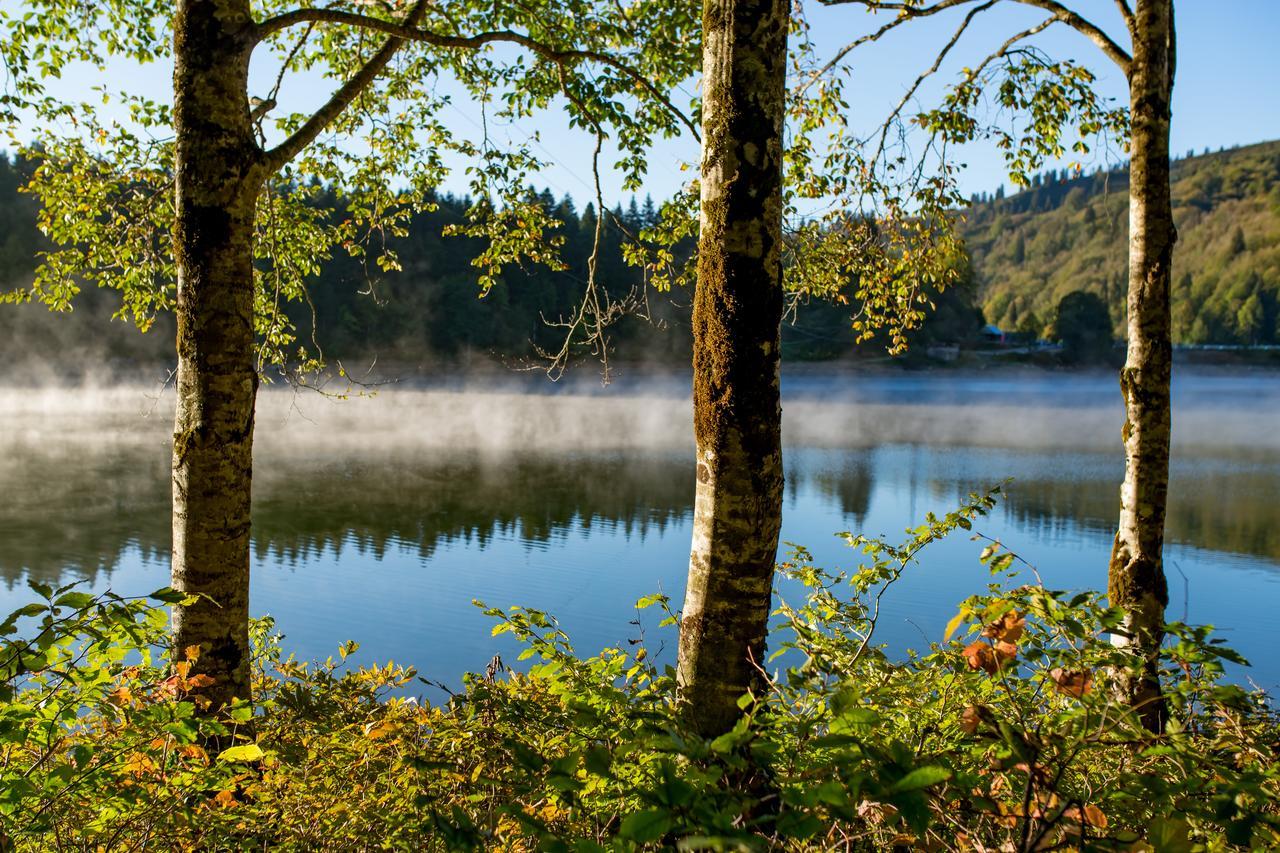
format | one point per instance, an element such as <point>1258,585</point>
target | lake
<point>381,518</point>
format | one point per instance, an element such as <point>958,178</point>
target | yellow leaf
<point>245,752</point>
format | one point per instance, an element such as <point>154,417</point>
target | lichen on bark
<point>218,174</point>
<point>1136,579</point>
<point>736,321</point>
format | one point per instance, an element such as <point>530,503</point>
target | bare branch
<point>341,99</point>
<point>942,55</point>
<point>1094,33</point>
<point>907,11</point>
<point>906,14</point>
<point>409,31</point>
<point>1008,46</point>
<point>1127,13</point>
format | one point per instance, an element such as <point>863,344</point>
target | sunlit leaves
<point>1031,107</point>
<point>106,175</point>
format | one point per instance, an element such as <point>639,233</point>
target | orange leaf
<point>139,764</point>
<point>1094,816</point>
<point>971,718</point>
<point>979,656</point>
<point>1005,654</point>
<point>1071,683</point>
<point>1008,628</point>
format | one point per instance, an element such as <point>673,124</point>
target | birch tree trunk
<point>218,174</point>
<point>1136,579</point>
<point>736,318</point>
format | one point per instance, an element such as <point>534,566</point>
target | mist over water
<point>380,518</point>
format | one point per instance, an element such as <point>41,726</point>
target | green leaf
<point>597,760</point>
<point>74,600</point>
<point>645,826</point>
<point>798,824</point>
<point>169,595</point>
<point>1170,835</point>
<point>32,609</point>
<point>921,777</point>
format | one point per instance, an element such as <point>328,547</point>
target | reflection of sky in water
<point>410,600</point>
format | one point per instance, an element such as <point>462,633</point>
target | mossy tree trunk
<point>736,318</point>
<point>1136,579</point>
<point>219,171</point>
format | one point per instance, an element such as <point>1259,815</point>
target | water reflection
<point>79,506</point>
<point>381,520</point>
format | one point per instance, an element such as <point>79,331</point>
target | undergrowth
<point>1005,738</point>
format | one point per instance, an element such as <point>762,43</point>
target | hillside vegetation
<point>1028,251</point>
<point>1069,233</point>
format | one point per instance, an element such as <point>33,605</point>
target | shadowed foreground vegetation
<point>1003,739</point>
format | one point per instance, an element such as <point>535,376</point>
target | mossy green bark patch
<point>219,172</point>
<point>1136,579</point>
<point>737,315</point>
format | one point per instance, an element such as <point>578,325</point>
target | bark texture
<point>1136,579</point>
<point>736,318</point>
<point>219,171</point>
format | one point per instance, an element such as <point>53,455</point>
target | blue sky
<point>1227,91</point>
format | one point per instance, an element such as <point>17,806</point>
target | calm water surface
<point>381,519</point>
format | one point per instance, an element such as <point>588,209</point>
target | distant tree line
<point>431,311</point>
<point>1029,250</point>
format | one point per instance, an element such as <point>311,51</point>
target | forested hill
<point>1063,234</point>
<point>430,314</point>
<point>1070,233</point>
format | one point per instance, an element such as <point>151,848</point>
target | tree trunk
<point>736,318</point>
<point>218,174</point>
<point>1136,579</point>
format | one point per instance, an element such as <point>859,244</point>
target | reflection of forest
<point>79,502</point>
<point>1231,511</point>
<point>81,509</point>
<point>843,479</point>
<point>299,510</point>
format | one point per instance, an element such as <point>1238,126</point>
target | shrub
<point>1004,739</point>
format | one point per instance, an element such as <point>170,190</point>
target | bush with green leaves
<point>1004,739</point>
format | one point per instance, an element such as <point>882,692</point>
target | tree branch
<point>937,63</point>
<point>906,13</point>
<point>1008,45</point>
<point>1127,14</point>
<point>909,11</point>
<point>1114,52</point>
<point>409,31</point>
<point>277,157</point>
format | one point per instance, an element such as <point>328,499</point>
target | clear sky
<point>1227,91</point>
